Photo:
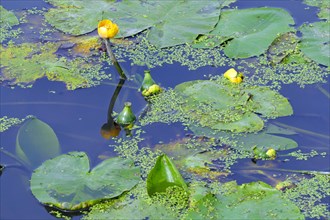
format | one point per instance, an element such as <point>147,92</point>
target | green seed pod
<point>147,81</point>
<point>126,117</point>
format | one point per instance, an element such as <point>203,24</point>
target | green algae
<point>23,64</point>
<point>323,5</point>
<point>311,195</point>
<point>7,122</point>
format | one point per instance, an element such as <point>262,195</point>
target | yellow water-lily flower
<point>233,76</point>
<point>107,29</point>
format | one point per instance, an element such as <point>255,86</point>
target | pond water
<point>77,116</point>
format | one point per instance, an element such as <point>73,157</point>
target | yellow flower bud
<point>107,29</point>
<point>233,76</point>
<point>231,73</point>
<point>271,153</point>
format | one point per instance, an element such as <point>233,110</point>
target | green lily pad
<point>235,110</point>
<point>25,63</point>
<point>194,156</point>
<point>170,22</point>
<point>7,18</point>
<point>163,175</point>
<point>282,47</point>
<point>36,142</point>
<point>7,21</point>
<point>315,42</point>
<point>263,140</point>
<point>67,182</point>
<point>249,32</point>
<point>255,200</point>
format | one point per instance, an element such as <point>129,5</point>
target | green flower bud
<point>126,117</point>
<point>147,81</point>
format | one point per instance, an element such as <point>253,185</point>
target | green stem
<point>113,59</point>
<point>22,163</point>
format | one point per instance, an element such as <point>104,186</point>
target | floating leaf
<point>25,63</point>
<point>235,110</point>
<point>249,32</point>
<point>36,142</point>
<point>7,18</point>
<point>262,140</point>
<point>282,46</point>
<point>7,21</point>
<point>163,175</point>
<point>68,183</point>
<point>255,200</point>
<point>194,156</point>
<point>170,22</point>
<point>315,42</point>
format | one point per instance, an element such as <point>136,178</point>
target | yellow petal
<point>231,73</point>
<point>107,29</point>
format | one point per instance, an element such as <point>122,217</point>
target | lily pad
<point>170,22</point>
<point>255,200</point>
<point>7,18</point>
<point>36,142</point>
<point>249,32</point>
<point>235,110</point>
<point>67,182</point>
<point>25,63</point>
<point>7,21</point>
<point>262,140</point>
<point>315,42</point>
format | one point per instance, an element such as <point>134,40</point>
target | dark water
<point>77,116</point>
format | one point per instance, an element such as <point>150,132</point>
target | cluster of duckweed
<point>166,108</point>
<point>299,155</point>
<point>144,54</point>
<point>131,148</point>
<point>6,122</point>
<point>309,195</point>
<point>260,71</point>
<point>294,68</point>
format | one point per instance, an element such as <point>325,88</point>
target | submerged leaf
<point>68,183</point>
<point>163,175</point>
<point>36,142</point>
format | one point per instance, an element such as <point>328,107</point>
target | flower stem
<point>113,59</point>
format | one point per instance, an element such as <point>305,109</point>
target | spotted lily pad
<point>67,181</point>
<point>315,42</point>
<point>255,200</point>
<point>25,63</point>
<point>249,32</point>
<point>170,22</point>
<point>223,106</point>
